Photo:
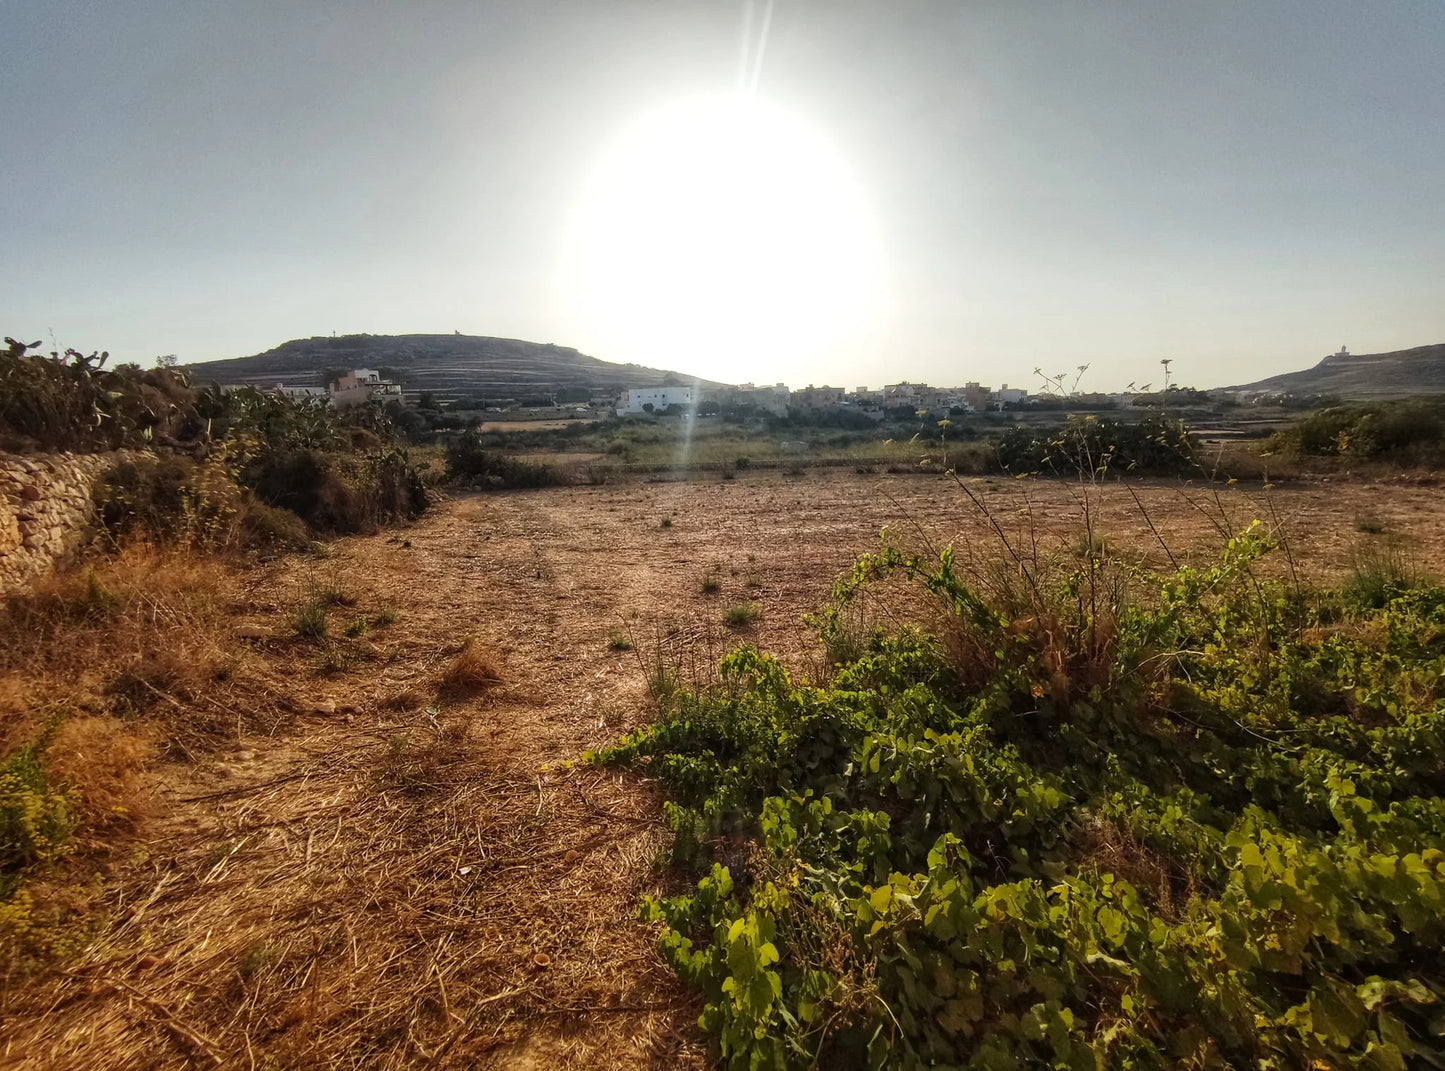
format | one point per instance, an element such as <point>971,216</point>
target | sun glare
<point>721,235</point>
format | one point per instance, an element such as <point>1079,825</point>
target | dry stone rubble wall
<point>46,512</point>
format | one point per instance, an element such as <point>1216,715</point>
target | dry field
<point>532,425</point>
<point>407,870</point>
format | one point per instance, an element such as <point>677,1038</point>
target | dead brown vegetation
<point>470,671</point>
<point>353,865</point>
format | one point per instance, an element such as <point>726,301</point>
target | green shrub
<point>71,401</point>
<point>36,819</point>
<point>337,492</point>
<point>1202,824</point>
<point>336,470</point>
<point>170,499</point>
<point>469,462</point>
<point>1154,446</point>
<point>1406,432</point>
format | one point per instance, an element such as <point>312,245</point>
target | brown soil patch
<point>413,877</point>
<point>531,425</point>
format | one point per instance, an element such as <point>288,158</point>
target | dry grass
<point>470,671</point>
<point>140,636</point>
<point>1114,850</point>
<point>105,762</point>
<point>355,869</point>
<point>404,906</point>
<point>406,700</point>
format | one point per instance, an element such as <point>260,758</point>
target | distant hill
<point>446,365</point>
<point>1364,377</point>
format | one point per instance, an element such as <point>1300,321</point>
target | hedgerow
<point>1410,431</point>
<point>470,461</point>
<point>1104,818</point>
<point>213,465</point>
<point>1156,445</point>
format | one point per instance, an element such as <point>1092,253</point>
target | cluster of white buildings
<point>362,385</point>
<point>777,398</point>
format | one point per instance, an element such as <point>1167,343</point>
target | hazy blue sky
<point>1241,186</point>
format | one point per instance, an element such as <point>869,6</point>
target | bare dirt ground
<point>550,424</point>
<point>406,876</point>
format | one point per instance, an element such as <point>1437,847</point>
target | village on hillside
<point>366,384</point>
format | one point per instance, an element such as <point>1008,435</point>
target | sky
<point>808,191</point>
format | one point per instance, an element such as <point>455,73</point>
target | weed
<point>619,640</point>
<point>358,626</point>
<point>1370,523</point>
<point>665,523</point>
<point>337,658</point>
<point>711,582</point>
<point>1381,569</point>
<point>1091,545</point>
<point>385,617</point>
<point>310,620</point>
<point>36,817</point>
<point>742,614</point>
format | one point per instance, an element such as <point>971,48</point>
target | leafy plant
<point>36,817</point>
<point>1199,822</point>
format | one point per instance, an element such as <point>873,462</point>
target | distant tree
<point>426,400</point>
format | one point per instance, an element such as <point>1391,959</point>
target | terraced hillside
<point>1366,376</point>
<point>447,365</point>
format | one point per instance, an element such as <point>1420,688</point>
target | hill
<point>447,365</point>
<point>1364,377</point>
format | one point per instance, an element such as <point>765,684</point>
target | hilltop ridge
<point>446,365</point>
<point>1363,377</point>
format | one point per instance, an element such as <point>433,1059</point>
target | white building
<point>655,399</point>
<point>362,385</point>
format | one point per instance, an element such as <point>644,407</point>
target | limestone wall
<point>45,512</point>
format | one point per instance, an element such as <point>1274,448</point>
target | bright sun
<point>720,235</point>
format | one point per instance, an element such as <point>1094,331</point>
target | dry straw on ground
<point>470,671</point>
<point>349,866</point>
